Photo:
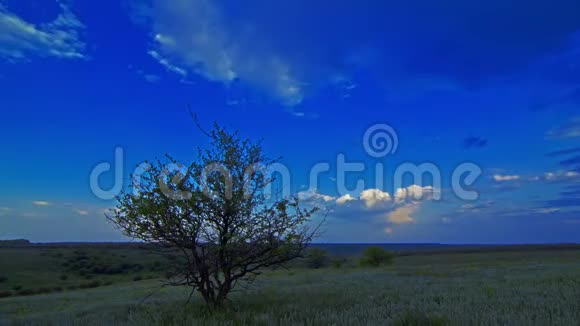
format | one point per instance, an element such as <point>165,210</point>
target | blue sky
<point>496,83</point>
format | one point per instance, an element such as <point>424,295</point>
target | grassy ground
<point>44,269</point>
<point>539,287</point>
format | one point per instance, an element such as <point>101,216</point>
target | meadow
<point>122,285</point>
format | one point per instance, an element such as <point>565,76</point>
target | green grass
<point>46,269</point>
<point>499,288</point>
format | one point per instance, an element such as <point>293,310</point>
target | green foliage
<point>3,279</point>
<point>375,257</point>
<point>316,258</point>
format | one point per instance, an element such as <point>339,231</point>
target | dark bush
<point>43,290</point>
<point>337,263</point>
<point>17,288</point>
<point>376,256</point>
<point>63,277</point>
<point>316,258</point>
<point>27,292</point>
<point>137,278</point>
<point>3,279</point>
<point>6,294</point>
<point>90,285</point>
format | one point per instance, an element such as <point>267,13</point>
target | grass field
<point>477,287</point>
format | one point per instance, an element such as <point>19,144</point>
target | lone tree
<point>216,214</point>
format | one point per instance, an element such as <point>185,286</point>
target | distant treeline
<point>14,243</point>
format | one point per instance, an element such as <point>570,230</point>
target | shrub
<point>316,258</point>
<point>63,277</point>
<point>3,279</point>
<point>337,263</point>
<point>27,292</point>
<point>137,278</point>
<point>6,294</point>
<point>376,256</point>
<point>90,285</point>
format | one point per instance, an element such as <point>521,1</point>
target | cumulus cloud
<point>60,38</point>
<point>372,197</point>
<point>193,36</point>
<point>345,199</point>
<point>402,215</point>
<point>415,192</point>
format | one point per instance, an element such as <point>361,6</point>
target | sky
<point>492,83</point>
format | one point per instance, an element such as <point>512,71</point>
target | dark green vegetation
<point>449,286</point>
<point>29,270</point>
<point>375,257</point>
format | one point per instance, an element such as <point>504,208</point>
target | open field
<point>479,286</point>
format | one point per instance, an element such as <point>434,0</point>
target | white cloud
<point>344,199</point>
<point>193,36</point>
<point>165,63</point>
<point>40,203</point>
<point>414,192</point>
<point>501,178</point>
<point>60,38</point>
<point>402,215</point>
<point>82,212</point>
<point>561,175</point>
<point>372,197</point>
<point>546,210</point>
<point>312,195</point>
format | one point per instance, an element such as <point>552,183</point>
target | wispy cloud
<point>563,152</point>
<point>20,40</point>
<point>502,178</point>
<point>570,129</point>
<point>474,142</point>
<point>192,36</point>
<point>41,203</point>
